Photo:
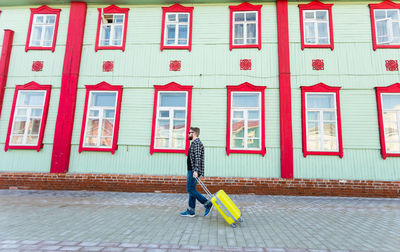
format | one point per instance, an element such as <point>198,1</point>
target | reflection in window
<point>171,120</point>
<point>246,120</point>
<point>176,29</point>
<point>245,28</point>
<point>387,25</point>
<point>316,27</point>
<point>100,119</point>
<point>43,26</point>
<point>27,118</point>
<point>321,122</point>
<point>391,121</point>
<point>111,31</point>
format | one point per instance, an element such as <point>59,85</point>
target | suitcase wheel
<point>233,225</point>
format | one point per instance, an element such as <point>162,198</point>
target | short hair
<point>196,130</point>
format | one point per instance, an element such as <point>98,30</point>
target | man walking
<point>195,169</point>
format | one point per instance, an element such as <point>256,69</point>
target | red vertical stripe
<point>285,100</point>
<point>5,62</point>
<point>69,84</point>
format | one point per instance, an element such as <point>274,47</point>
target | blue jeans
<point>193,193</point>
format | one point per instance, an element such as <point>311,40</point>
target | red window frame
<point>245,7</point>
<point>245,87</point>
<point>321,88</point>
<point>316,5</point>
<point>102,86</point>
<point>177,8</point>
<point>395,88</point>
<point>112,9</point>
<point>372,7</point>
<point>29,86</point>
<point>172,86</point>
<point>43,10</point>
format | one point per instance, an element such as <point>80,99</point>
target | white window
<point>245,28</point>
<point>27,118</point>
<point>246,120</point>
<point>387,26</point>
<point>171,120</point>
<point>100,119</point>
<point>43,26</point>
<point>321,122</point>
<point>316,23</point>
<point>112,30</point>
<point>176,29</point>
<point>391,121</point>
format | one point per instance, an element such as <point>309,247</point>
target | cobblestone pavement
<point>116,221</point>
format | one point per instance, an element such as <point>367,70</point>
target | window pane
<point>34,125</point>
<point>322,15</point>
<point>393,147</point>
<point>251,17</point>
<point>239,17</point>
<point>391,101</point>
<point>164,113</point>
<point>254,114</point>
<point>253,129</point>
<point>17,139</point>
<point>237,143</point>
<point>323,30</point>
<point>183,34</point>
<point>163,129</point>
<point>91,141</point>
<point>251,30</point>
<point>48,36</point>
<point>310,32</point>
<point>106,141</point>
<point>237,114</point>
<point>105,35</point>
<point>179,114</point>
<point>329,116</point>
<point>309,14</point>
<point>329,131</point>
<point>19,125</point>
<point>178,143</point>
<point>391,132</point>
<point>380,14</point>
<point>117,35</point>
<point>393,14</point>
<point>171,17</point>
<point>313,131</point>
<point>396,32</point>
<point>389,117</point>
<point>36,112</point>
<point>39,19</point>
<point>108,126</point>
<point>109,113</point>
<point>27,98</point>
<point>330,146</point>
<point>103,99</point>
<point>92,127</point>
<point>253,143</point>
<point>50,19</point>
<point>183,17</point>
<point>171,31</point>
<point>320,101</point>
<point>179,129</point>
<point>93,113</point>
<point>237,128</point>
<point>21,112</point>
<point>313,115</point>
<point>382,31</point>
<point>238,41</point>
<point>239,31</point>
<point>36,36</point>
<point>32,140</point>
<point>246,100</point>
<point>119,19</point>
<point>313,145</point>
<point>173,99</point>
<point>162,142</point>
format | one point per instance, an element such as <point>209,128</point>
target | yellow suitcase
<point>225,206</point>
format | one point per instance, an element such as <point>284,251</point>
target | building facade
<point>291,97</point>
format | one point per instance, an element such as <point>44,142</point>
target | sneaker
<point>208,209</point>
<point>188,213</point>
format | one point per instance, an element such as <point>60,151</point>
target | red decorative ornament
<point>175,65</point>
<point>318,64</point>
<point>392,65</point>
<point>108,66</point>
<point>37,66</point>
<point>245,64</point>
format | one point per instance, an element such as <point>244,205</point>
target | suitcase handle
<point>209,194</point>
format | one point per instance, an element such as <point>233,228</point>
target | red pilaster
<point>285,99</point>
<point>5,62</point>
<point>69,83</point>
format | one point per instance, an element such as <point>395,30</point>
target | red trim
<point>172,86</point>
<point>69,83</point>
<point>317,88</point>
<point>29,86</point>
<point>285,100</point>
<point>384,5</point>
<point>245,87</point>
<point>102,86</point>
<point>5,62</point>
<point>245,7</point>
<point>316,5</point>
<point>177,8</point>
<point>115,10</point>
<point>43,10</point>
<point>395,88</point>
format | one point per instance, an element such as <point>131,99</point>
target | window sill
<point>112,150</point>
<point>39,48</point>
<point>24,147</point>
<point>122,48</point>
<point>262,152</point>
<point>169,151</point>
<point>245,46</point>
<point>324,153</point>
<point>176,47</point>
<point>317,46</point>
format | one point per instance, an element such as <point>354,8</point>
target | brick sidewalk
<point>110,221</point>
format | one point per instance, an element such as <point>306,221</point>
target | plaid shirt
<point>196,154</point>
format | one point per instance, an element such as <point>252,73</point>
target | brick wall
<point>177,184</point>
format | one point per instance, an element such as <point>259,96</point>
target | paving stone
<point>129,245</point>
<point>92,248</point>
<point>50,247</point>
<point>149,246</point>
<point>71,248</point>
<point>113,249</point>
<point>29,242</point>
<point>135,250</point>
<point>88,244</point>
<point>68,243</point>
<point>170,246</point>
<point>9,246</point>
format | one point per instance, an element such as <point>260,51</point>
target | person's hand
<point>195,174</point>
